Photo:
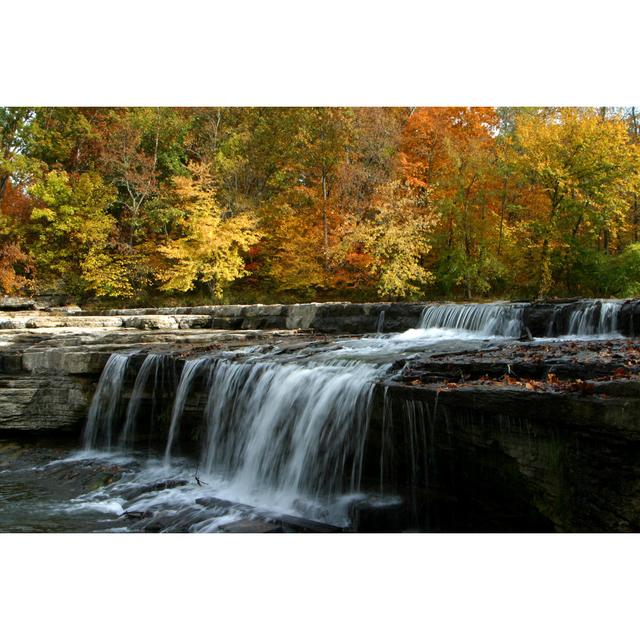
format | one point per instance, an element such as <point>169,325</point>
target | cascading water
<point>599,317</point>
<point>380,324</point>
<point>281,429</point>
<point>188,375</point>
<point>494,319</point>
<point>106,402</point>
<point>288,429</point>
<point>160,369</point>
<point>291,431</point>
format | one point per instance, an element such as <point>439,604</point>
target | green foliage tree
<point>586,168</point>
<point>70,235</point>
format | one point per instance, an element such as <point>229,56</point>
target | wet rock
<point>251,526</point>
<point>136,492</point>
<point>379,515</point>
<point>137,515</point>
<point>16,303</point>
<point>515,459</point>
<point>281,522</point>
<point>293,524</point>
<point>629,319</point>
<point>538,318</point>
<point>219,503</point>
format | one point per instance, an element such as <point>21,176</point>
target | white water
<point>595,318</point>
<point>150,364</point>
<point>105,403</point>
<point>493,319</point>
<point>293,432</point>
<point>188,375</point>
<point>380,323</point>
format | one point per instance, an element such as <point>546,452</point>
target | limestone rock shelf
<point>48,376</point>
<point>541,318</point>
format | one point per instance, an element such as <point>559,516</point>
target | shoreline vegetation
<point>159,206</point>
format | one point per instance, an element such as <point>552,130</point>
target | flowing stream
<point>272,430</point>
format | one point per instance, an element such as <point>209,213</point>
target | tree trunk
<point>545,271</point>
<point>3,182</point>
<point>325,222</point>
<point>503,208</point>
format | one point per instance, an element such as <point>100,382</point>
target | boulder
<point>16,303</point>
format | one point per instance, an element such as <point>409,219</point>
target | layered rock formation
<point>531,436</point>
<point>48,376</point>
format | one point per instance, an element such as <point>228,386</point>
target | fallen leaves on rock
<point>607,361</point>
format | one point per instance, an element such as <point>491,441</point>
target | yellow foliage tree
<point>397,238</point>
<point>208,247</point>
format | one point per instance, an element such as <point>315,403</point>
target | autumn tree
<point>323,139</point>
<point>369,163</point>
<point>13,122</point>
<point>294,158</point>
<point>310,203</point>
<point>70,235</point>
<point>586,169</point>
<point>397,238</point>
<point>64,138</point>
<point>452,151</point>
<point>130,168</point>
<point>16,266</point>
<point>15,269</point>
<point>207,247</point>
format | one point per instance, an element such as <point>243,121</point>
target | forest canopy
<point>150,204</point>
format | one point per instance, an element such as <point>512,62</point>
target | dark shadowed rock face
<point>506,460</point>
<point>533,437</point>
<point>629,321</point>
<point>538,316</point>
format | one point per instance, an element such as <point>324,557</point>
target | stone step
<point>142,322</point>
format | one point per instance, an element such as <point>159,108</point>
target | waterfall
<point>288,429</point>
<point>498,319</point>
<point>586,318</point>
<point>161,366</point>
<point>412,456</point>
<point>380,325</point>
<point>106,402</point>
<point>189,372</point>
<point>595,318</point>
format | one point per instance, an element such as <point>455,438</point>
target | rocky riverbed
<point>474,420</point>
